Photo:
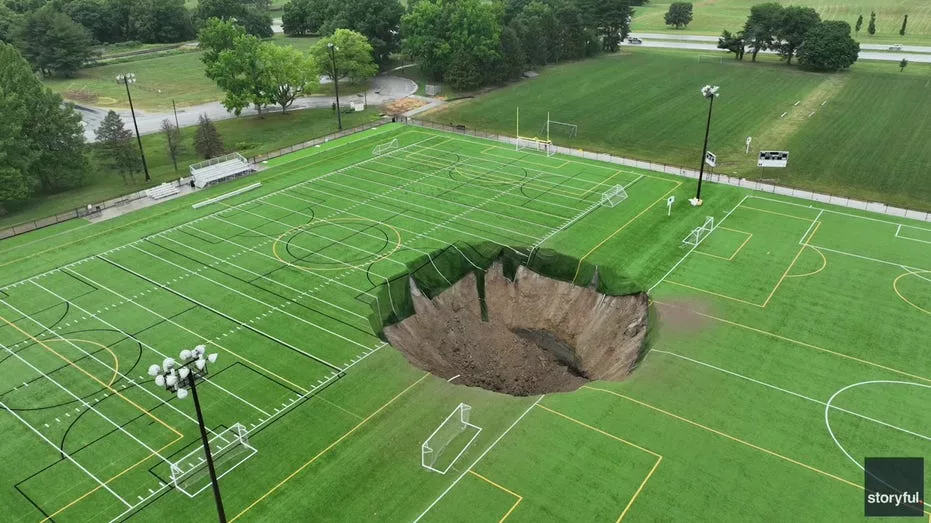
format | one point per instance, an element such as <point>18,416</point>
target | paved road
<point>384,89</point>
<point>700,46</point>
<point>708,38</point>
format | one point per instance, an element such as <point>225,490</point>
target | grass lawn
<point>248,135</point>
<point>865,138</point>
<point>159,80</point>
<point>713,17</point>
<point>790,344</point>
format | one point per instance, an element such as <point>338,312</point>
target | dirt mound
<point>541,335</point>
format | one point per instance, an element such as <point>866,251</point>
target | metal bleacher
<point>162,191</point>
<point>219,169</point>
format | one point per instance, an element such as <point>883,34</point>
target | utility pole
<point>126,79</point>
<point>333,49</point>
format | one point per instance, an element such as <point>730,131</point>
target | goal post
<point>383,148</point>
<point>230,448</point>
<point>710,59</point>
<point>440,451</point>
<point>569,129</point>
<point>699,234</point>
<point>534,144</point>
<point>613,196</point>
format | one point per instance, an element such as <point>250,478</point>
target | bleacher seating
<point>162,191</point>
<point>218,169</point>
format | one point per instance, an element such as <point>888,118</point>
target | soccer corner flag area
<point>790,345</point>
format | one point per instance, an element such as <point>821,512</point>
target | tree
<point>8,23</point>
<point>241,74</point>
<point>795,23</point>
<point>733,43</point>
<point>159,21</point>
<point>859,23</point>
<point>761,27</point>
<point>301,17</point>
<point>510,61</point>
<point>247,13</point>
<point>53,43</point>
<point>97,17</point>
<point>207,140</point>
<point>289,72</point>
<point>613,22</point>
<point>904,23</point>
<point>436,31</point>
<point>464,73</point>
<point>903,63</point>
<point>215,37</point>
<point>41,138</point>
<point>116,146</point>
<point>679,14</point>
<point>537,27</point>
<point>828,47</point>
<point>871,28</point>
<point>378,20</point>
<point>570,39</point>
<point>173,137</point>
<point>353,56</point>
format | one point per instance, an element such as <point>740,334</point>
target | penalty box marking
<point>492,483</point>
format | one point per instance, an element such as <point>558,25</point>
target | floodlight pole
<point>710,93</point>
<point>333,49</point>
<point>221,514</point>
<point>125,79</point>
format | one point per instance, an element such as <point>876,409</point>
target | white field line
<point>918,274</point>
<point>796,394</point>
<point>830,211</point>
<point>263,277</point>
<point>479,458</point>
<point>867,258</point>
<point>161,355</point>
<point>86,404</point>
<point>241,323</point>
<point>214,213</point>
<point>62,451</point>
<point>676,266</point>
<point>583,213</point>
<point>898,234</point>
<point>161,402</point>
<point>801,240</point>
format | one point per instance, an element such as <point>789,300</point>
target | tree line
<point>793,32</point>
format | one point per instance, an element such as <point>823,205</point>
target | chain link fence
<point>877,207</point>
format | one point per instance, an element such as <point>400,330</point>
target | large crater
<point>540,335</point>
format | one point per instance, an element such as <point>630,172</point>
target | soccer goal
<point>383,148</point>
<point>613,196</point>
<point>229,449</point>
<point>569,129</point>
<point>710,59</point>
<point>449,441</point>
<point>536,144</point>
<point>698,234</point>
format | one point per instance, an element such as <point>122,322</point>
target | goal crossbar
<point>535,144</point>
<point>570,128</point>
<point>452,427</point>
<point>229,449</point>
<point>613,196</point>
<point>383,148</point>
<point>699,234</point>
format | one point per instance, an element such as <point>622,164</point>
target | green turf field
<point>645,104</point>
<point>790,345</point>
<point>715,16</point>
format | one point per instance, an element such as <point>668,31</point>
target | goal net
<point>710,59</point>
<point>613,196</point>
<point>229,449</point>
<point>449,441</point>
<point>698,234</point>
<point>569,129</point>
<point>536,144</point>
<point>382,148</point>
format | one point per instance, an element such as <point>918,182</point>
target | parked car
<point>634,40</point>
<point>896,47</point>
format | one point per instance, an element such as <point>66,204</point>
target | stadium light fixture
<point>181,377</point>
<point>709,92</point>
<point>333,48</point>
<point>126,79</point>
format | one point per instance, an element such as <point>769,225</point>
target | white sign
<point>711,159</point>
<point>669,201</point>
<point>773,159</point>
<point>749,139</point>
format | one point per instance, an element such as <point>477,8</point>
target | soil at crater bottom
<point>542,335</point>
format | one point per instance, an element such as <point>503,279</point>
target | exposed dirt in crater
<point>542,335</point>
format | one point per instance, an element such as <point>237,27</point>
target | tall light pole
<point>178,377</point>
<point>335,71</point>
<point>126,79</point>
<point>710,92</point>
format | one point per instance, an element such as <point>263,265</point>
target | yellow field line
<point>622,227</point>
<point>824,263</point>
<point>725,435</point>
<point>658,457</point>
<point>116,361</point>
<point>796,342</point>
<point>599,184</point>
<point>789,268</point>
<point>516,495</point>
<point>776,213</point>
<point>328,448</point>
<point>713,293</point>
<point>895,287</point>
<point>734,255</point>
